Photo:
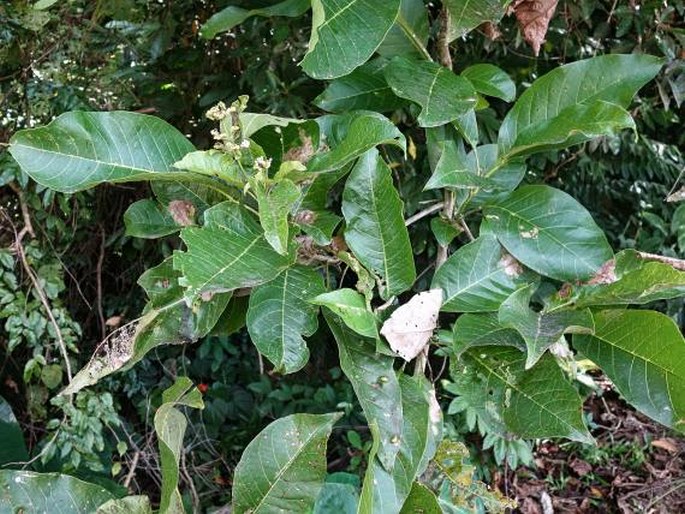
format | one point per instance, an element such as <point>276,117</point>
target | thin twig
<point>465,227</point>
<point>28,227</point>
<point>425,212</point>
<point>101,259</point>
<point>131,469</point>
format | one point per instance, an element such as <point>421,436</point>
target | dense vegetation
<point>387,269</point>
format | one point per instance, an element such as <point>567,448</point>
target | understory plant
<point>303,217</point>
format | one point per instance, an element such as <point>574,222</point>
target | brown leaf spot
<point>533,17</point>
<point>512,267</point>
<point>301,153</point>
<point>305,217</point>
<point>183,212</point>
<point>605,275</point>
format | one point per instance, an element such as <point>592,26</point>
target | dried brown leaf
<point>533,17</point>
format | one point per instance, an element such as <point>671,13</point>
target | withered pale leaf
<point>533,18</point>
<point>410,327</point>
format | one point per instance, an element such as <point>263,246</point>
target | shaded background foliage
<point>147,57</point>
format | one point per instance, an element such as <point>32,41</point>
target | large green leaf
<point>575,124</point>
<point>535,403</point>
<point>213,163</point>
<point>550,232</point>
<point>466,15</point>
<point>479,277</point>
<point>540,330</point>
<point>375,228</point>
<point>13,447</point>
<point>633,281</point>
<point>442,95</point>
<point>409,35</point>
<point>364,88</point>
<point>231,16</point>
<point>355,133</point>
<point>346,34</point>
<point>275,204</point>
<point>170,427</point>
<point>284,467</point>
<point>227,253</point>
<point>608,78</point>
<point>339,495</point>
<point>385,490</point>
<point>452,172</point>
<point>352,309</point>
<point>491,80</point>
<point>79,150</point>
<point>421,500</point>
<point>149,219</point>
<point>472,330</point>
<point>126,505</point>
<point>280,314</point>
<point>26,491</point>
<point>375,384</point>
<point>643,353</point>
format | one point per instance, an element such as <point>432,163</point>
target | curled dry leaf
<point>533,18</point>
<point>410,327</point>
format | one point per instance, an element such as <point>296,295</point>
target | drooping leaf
<point>467,126</point>
<point>484,329</point>
<point>364,88</point>
<point>466,15</point>
<point>213,163</point>
<point>643,353</point>
<point>170,426</point>
<point>421,500</point>
<point>385,490</point>
<point>540,330</point>
<point>375,385</point>
<point>351,307</point>
<point>575,124</point>
<point>633,281</point>
<point>533,17</point>
<point>280,315</point>
<point>346,34</point>
<point>126,505</point>
<point>149,220</point>
<point>26,491</point>
<point>275,204</point>
<point>452,172</point>
<point>357,132</point>
<point>227,253</point>
<point>409,33</point>
<point>442,95</point>
<point>375,228</point>
<point>610,78</point>
<point>79,150</point>
<point>231,16</point>
<point>479,277</point>
<point>284,467</point>
<point>410,327</point>
<point>491,80</point>
<point>534,403</point>
<point>550,232</point>
<point>13,447</point>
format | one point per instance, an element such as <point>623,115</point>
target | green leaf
<point>275,205</point>
<point>357,132</point>
<point>575,124</point>
<point>364,88</point>
<point>127,505</point>
<point>170,426</point>
<point>442,95</point>
<point>609,78</point>
<point>345,35</point>
<point>491,80</point>
<point>352,309</point>
<point>550,232</point>
<point>540,330</point>
<point>149,220</point>
<point>213,163</point>
<point>376,386</point>
<point>320,227</point>
<point>283,468</point>
<point>13,447</point>
<point>26,491</point>
<point>473,330</point>
<point>337,498</point>
<point>41,5</point>
<point>231,16</point>
<point>633,281</point>
<point>385,490</point>
<point>478,277</point>
<point>227,253</point>
<point>375,228</point>
<point>409,35</point>
<point>79,150</point>
<point>452,172</point>
<point>466,15</point>
<point>421,500</point>
<point>280,314</point>
<point>443,231</point>
<point>643,354</point>
<point>534,403</point>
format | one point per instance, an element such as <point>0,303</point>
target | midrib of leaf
<point>520,391</point>
<point>330,20</point>
<point>285,288</point>
<point>231,263</point>
<point>284,468</point>
<point>380,228</point>
<point>473,284</point>
<point>461,15</point>
<point>430,90</point>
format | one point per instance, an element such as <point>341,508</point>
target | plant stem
<point>422,214</point>
<point>418,44</point>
